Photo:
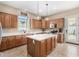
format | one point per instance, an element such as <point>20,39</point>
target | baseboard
<point>73,43</point>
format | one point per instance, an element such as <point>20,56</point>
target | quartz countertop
<point>14,31</point>
<point>5,34</point>
<point>12,34</point>
<point>40,37</point>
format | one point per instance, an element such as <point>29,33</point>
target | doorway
<point>71,32</point>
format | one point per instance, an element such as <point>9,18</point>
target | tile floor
<point>20,51</point>
<point>65,50</point>
<point>62,50</point>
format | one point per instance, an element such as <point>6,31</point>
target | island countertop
<point>40,37</point>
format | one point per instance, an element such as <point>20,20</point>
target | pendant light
<point>38,17</point>
<point>46,10</point>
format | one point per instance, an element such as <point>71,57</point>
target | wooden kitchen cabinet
<point>44,24</point>
<point>20,39</point>
<point>60,38</point>
<point>36,48</point>
<point>14,21</point>
<point>24,39</point>
<point>49,45</point>
<point>7,42</point>
<point>36,24</point>
<point>8,20</point>
<point>42,48</point>
<point>12,41</point>
<point>30,47</point>
<point>2,19</point>
<point>60,22</point>
<point>47,24</point>
<point>53,43</point>
<point>4,43</point>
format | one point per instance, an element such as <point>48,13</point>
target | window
<point>23,23</point>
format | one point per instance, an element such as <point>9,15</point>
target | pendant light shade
<point>38,17</point>
<point>46,11</point>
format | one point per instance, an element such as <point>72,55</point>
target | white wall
<point>8,9</point>
<point>72,12</point>
<point>15,11</point>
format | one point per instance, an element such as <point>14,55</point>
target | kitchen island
<point>40,45</point>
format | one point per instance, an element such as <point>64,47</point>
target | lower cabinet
<point>12,41</point>
<point>4,43</point>
<point>49,45</point>
<point>40,48</point>
<point>60,38</point>
<point>30,47</point>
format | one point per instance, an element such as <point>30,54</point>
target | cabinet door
<point>8,21</point>
<point>18,40</point>
<point>43,48</point>
<point>60,38</point>
<point>30,47</point>
<point>49,45</point>
<point>53,43</point>
<point>11,41</point>
<point>2,19</point>
<point>14,21</point>
<point>4,43</point>
<point>47,24</point>
<point>32,23</point>
<point>60,22</point>
<point>24,39</point>
<point>38,24</point>
<point>43,24</point>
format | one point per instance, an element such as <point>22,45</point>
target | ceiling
<point>53,6</point>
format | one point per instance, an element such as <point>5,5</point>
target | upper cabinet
<point>46,24</point>
<point>8,20</point>
<point>60,22</point>
<point>14,20</point>
<point>35,24</point>
<point>43,23</point>
<point>38,24</point>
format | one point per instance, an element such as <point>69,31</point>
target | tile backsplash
<point>10,30</point>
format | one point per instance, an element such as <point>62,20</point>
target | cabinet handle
<point>33,42</point>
